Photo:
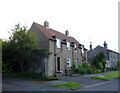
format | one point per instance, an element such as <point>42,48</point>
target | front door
<point>58,63</point>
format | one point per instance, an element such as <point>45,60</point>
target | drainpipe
<point>55,54</point>
<point>72,54</point>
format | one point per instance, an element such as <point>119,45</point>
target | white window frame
<point>58,43</point>
<point>75,48</point>
<point>82,49</point>
<point>68,45</point>
<point>68,62</point>
<point>76,62</point>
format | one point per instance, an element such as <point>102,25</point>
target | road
<point>103,86</point>
<point>10,84</point>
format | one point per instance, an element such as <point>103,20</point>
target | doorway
<point>58,63</point>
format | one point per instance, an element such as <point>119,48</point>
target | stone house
<point>112,57</point>
<point>64,48</point>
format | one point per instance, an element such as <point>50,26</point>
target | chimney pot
<point>90,45</point>
<point>66,32</point>
<point>46,24</point>
<point>105,44</point>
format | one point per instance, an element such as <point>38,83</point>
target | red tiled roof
<point>50,32</point>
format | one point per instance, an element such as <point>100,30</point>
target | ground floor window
<point>76,62</point>
<point>108,64</point>
<point>68,62</point>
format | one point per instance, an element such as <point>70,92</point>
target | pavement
<point>103,86</point>
<point>10,84</point>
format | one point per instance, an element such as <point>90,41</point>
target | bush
<point>76,70</point>
<point>73,66</point>
<point>82,71</point>
<point>86,64</point>
<point>89,70</point>
<point>98,70</point>
<point>80,66</point>
<point>32,76</point>
<point>6,68</point>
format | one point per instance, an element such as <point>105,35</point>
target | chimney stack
<point>105,44</point>
<point>46,24</point>
<point>67,33</point>
<point>90,45</point>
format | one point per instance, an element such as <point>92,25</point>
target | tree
<point>22,51</point>
<point>99,61</point>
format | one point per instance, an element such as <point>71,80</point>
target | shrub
<point>32,76</point>
<point>82,71</point>
<point>80,66</point>
<point>118,63</point>
<point>89,70</point>
<point>6,68</point>
<point>98,70</point>
<point>73,66</point>
<point>76,70</point>
<point>101,67</point>
<point>86,64</point>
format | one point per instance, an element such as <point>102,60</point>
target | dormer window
<point>75,48</point>
<point>68,45</point>
<point>82,49</point>
<point>58,43</point>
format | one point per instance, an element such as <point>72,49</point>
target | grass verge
<point>31,76</point>
<point>72,85</point>
<point>108,76</point>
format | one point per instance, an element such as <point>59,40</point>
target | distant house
<point>112,57</point>
<point>65,49</point>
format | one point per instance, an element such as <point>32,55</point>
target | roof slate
<point>50,33</point>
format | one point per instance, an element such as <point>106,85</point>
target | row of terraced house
<point>64,48</point>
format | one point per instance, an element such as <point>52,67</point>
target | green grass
<point>108,76</point>
<point>72,85</point>
<point>31,76</point>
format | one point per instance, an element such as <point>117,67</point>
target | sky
<point>88,21</point>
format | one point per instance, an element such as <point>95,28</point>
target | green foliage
<point>113,68</point>
<point>80,66</point>
<point>89,70</point>
<point>6,68</point>
<point>82,71</point>
<point>99,61</point>
<point>73,66</point>
<point>86,64</point>
<point>32,76</point>
<point>108,76</point>
<point>118,63</point>
<point>86,68</point>
<point>71,85</point>
<point>22,50</point>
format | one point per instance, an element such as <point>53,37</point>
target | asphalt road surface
<point>103,86</point>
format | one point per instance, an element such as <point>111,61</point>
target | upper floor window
<point>58,43</point>
<point>68,45</point>
<point>82,49</point>
<point>75,48</point>
<point>68,62</point>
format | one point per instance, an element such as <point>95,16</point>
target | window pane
<point>68,45</point>
<point>58,43</point>
<point>68,62</point>
<point>76,62</point>
<point>75,48</point>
